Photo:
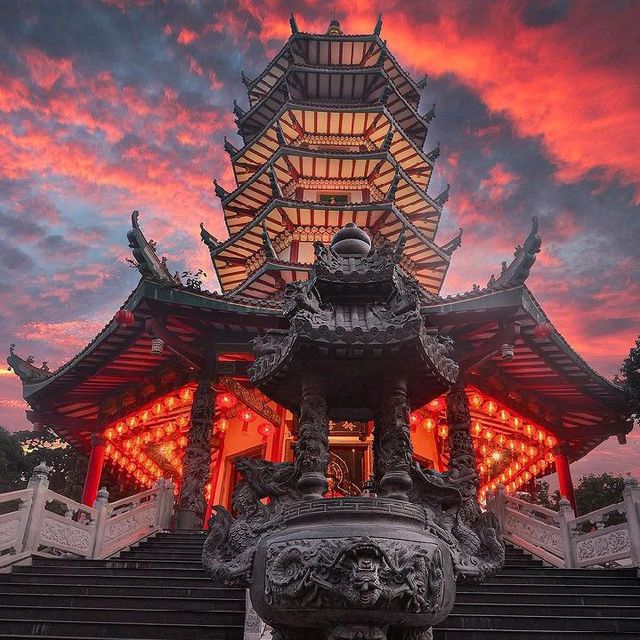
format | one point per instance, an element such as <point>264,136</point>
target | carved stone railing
<point>37,520</point>
<point>608,537</point>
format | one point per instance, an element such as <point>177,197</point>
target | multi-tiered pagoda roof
<point>333,133</point>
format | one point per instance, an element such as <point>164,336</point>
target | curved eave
<point>271,278</point>
<point>253,121</point>
<point>254,194</point>
<point>151,290</point>
<point>578,404</point>
<point>268,144</point>
<point>367,57</point>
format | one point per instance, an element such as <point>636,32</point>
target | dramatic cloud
<point>110,106</point>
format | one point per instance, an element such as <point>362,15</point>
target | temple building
<point>333,134</point>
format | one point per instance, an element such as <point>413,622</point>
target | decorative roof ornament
<point>434,154</point>
<point>269,251</point>
<point>442,198</point>
<point>25,369</point>
<point>422,83</point>
<point>145,257</point>
<point>275,187</point>
<point>378,28</point>
<point>293,24</point>
<point>229,148</point>
<point>453,244</point>
<point>245,81</point>
<point>524,256</point>
<point>221,192</point>
<point>238,111</point>
<point>334,28</point>
<point>430,115</point>
<point>211,241</point>
<point>386,143</point>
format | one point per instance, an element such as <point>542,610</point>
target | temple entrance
<point>346,471</point>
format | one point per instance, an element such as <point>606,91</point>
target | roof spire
<point>221,192</point>
<point>145,257</point>
<point>441,199</point>
<point>269,251</point>
<point>434,153</point>
<point>294,24</point>
<point>378,28</point>
<point>524,257</point>
<point>430,115</point>
<point>453,244</point>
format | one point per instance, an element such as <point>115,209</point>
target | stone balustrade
<point>608,537</point>
<point>37,520</point>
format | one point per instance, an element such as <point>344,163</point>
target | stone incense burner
<point>363,568</point>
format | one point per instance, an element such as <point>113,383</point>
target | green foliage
<point>631,371</point>
<point>544,498</point>
<point>14,468</point>
<point>595,492</point>
<point>68,466</point>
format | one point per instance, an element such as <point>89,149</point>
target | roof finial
<point>334,26</point>
<point>378,27</point>
<point>524,256</point>
<point>442,198</point>
<point>434,153</point>
<point>294,24</point>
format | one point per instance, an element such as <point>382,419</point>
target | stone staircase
<point>530,601</point>
<point>155,590</point>
<point>159,590</point>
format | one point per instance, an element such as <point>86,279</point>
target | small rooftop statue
<point>357,348</point>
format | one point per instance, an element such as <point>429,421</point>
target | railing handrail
<point>619,507</point>
<point>572,547</point>
<point>32,527</point>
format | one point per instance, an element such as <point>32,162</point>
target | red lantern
<point>124,318</point>
<point>542,330</point>
<point>265,429</point>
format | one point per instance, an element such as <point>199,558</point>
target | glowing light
<point>443,430</point>
<point>157,408</point>
<point>490,407</point>
<point>496,456</point>
<point>265,429</point>
<point>132,421</point>
<point>227,400</point>
<point>551,441</point>
<point>476,400</point>
<point>504,415</point>
<point>429,424</point>
<point>109,434</point>
<point>223,425</point>
<point>413,418</point>
<point>436,404</point>
<point>517,423</point>
<point>170,402</point>
<point>488,434</point>
<point>477,428</point>
<point>186,395</point>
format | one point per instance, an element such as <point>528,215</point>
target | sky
<point>111,106</point>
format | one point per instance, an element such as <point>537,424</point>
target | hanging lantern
<point>124,318</point>
<point>170,402</point>
<point>157,408</point>
<point>517,423</point>
<point>490,407</point>
<point>476,400</point>
<point>477,428</point>
<point>429,424</point>
<point>551,441</point>
<point>542,330</point>
<point>488,435</point>
<point>186,395</point>
<point>223,425</point>
<point>443,430</point>
<point>132,421</point>
<point>265,429</point>
<point>436,404</point>
<point>504,415</point>
<point>157,346</point>
<point>182,441</point>
<point>170,428</point>
<point>109,434</point>
<point>496,456</point>
<point>227,400</point>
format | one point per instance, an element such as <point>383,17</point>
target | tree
<point>68,466</point>
<point>14,468</point>
<point>543,498</point>
<point>631,371</point>
<point>595,492</point>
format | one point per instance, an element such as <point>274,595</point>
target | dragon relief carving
<point>355,572</point>
<point>228,551</point>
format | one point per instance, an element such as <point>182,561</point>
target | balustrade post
<point>39,482</point>
<point>101,505</point>
<point>565,515</point>
<point>631,494</point>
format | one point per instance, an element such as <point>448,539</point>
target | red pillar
<point>564,478</point>
<point>94,471</point>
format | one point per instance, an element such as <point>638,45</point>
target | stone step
<point>567,580</point>
<point>68,569</point>
<point>158,590</point>
<point>491,607</point>
<point>184,602</point>
<point>570,586</point>
<point>527,622</point>
<point>148,562</point>
<point>122,578</point>
<point>579,574</point>
<point>125,615</point>
<point>445,633</point>
<point>161,630</point>
<point>566,596</point>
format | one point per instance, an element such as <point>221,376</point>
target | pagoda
<point>332,137</point>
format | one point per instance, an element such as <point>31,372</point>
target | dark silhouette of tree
<point>631,379</point>
<point>14,468</point>
<point>595,492</point>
